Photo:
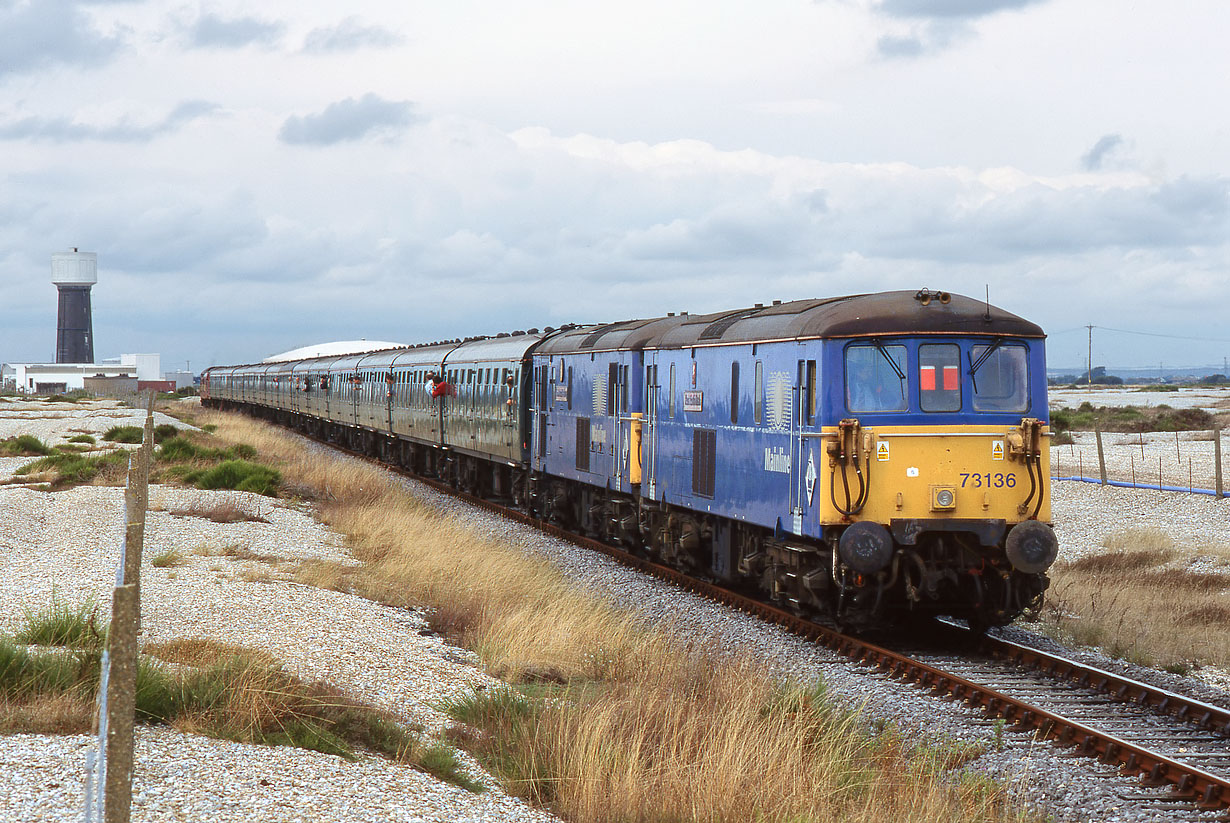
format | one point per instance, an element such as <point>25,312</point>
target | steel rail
<point>1207,790</point>
<point>1116,686</point>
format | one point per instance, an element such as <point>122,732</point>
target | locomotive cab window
<point>875,378</point>
<point>939,377</point>
<point>1000,376</point>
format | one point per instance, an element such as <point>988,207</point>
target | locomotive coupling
<point>1025,441</point>
<point>845,449</point>
<point>866,547</point>
<point>1031,547</point>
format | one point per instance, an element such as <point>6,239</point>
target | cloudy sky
<point>407,170</point>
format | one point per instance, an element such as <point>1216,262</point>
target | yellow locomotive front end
<point>934,490</point>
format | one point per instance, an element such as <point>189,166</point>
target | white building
<point>50,378</point>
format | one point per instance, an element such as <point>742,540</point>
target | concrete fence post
<point>121,703</point>
<point>118,684</point>
<point>1217,459</point>
<point>1097,431</point>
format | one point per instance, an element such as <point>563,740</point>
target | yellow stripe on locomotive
<point>941,473</point>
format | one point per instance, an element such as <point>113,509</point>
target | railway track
<point>1179,746</point>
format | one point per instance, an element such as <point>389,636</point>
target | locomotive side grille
<point>583,444</point>
<point>704,462</point>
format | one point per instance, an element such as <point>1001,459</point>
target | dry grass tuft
<point>326,574</point>
<point>64,713</point>
<point>256,576</point>
<point>1124,601</point>
<point>688,736</point>
<point>226,511</point>
<point>238,551</point>
<point>1211,614</point>
<point>1120,562</point>
<point>168,558</point>
<point>203,651</point>
<point>632,725</point>
<point>1147,539</point>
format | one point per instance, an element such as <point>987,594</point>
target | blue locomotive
<point>870,457</point>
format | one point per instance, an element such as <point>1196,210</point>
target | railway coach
<point>871,456</point>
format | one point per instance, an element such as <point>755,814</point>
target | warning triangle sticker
<point>881,451</point>
<point>997,450</point>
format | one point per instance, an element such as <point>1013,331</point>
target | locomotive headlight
<point>943,498</point>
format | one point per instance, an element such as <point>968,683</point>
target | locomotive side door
<point>649,437</point>
<point>617,403</point>
<point>802,465</point>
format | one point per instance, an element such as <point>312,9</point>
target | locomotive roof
<point>859,315</point>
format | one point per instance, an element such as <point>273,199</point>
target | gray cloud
<point>950,8</point>
<point>926,38</point>
<point>212,31</point>
<point>900,47</point>
<point>349,119</point>
<point>349,35</point>
<point>936,24</point>
<point>1096,157</point>
<point>50,32</point>
<point>64,129</point>
<point>1042,221</point>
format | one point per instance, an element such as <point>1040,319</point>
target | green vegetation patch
<point>206,467</point>
<point>241,475</point>
<point>1160,418</point>
<point>124,434</point>
<point>181,449</point>
<point>25,445</point>
<point>71,469</point>
<point>236,695</point>
<point>82,438</point>
<point>60,624</point>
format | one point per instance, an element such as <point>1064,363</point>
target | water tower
<point>74,273</point>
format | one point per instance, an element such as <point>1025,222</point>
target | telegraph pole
<point>1089,362</point>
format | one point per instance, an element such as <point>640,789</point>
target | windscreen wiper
<point>875,341</point>
<point>982,358</point>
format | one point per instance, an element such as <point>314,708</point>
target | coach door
<point>540,416</point>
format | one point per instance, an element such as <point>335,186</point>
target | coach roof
<point>861,315</point>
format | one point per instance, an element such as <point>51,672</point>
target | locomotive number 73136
<point>987,480</point>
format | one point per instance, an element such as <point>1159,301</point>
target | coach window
<point>1000,376</point>
<point>734,392</point>
<point>758,395</point>
<point>939,377</point>
<point>875,378</point>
